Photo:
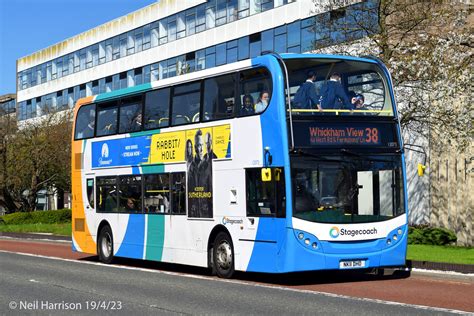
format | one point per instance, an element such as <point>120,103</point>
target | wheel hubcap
<point>224,255</point>
<point>106,245</point>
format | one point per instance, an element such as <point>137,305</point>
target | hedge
<point>424,235</point>
<point>43,217</point>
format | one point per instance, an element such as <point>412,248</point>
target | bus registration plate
<point>352,264</point>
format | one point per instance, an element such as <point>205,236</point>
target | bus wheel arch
<point>105,242</point>
<point>221,255</point>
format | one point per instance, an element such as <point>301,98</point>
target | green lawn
<point>56,229</point>
<point>448,254</point>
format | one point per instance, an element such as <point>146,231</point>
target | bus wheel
<point>223,255</point>
<point>105,245</point>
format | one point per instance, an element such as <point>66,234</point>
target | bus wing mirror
<point>266,174</point>
<point>421,169</point>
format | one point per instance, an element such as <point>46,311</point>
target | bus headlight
<point>400,231</point>
<point>315,245</point>
<point>395,237</point>
<point>389,242</point>
<point>300,236</point>
<point>306,241</point>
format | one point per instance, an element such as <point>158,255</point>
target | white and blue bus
<point>224,168</point>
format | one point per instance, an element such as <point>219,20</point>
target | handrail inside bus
<point>288,96</point>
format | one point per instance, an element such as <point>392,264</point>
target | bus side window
<point>256,83</point>
<point>157,109</point>
<point>131,115</point>
<point>178,193</point>
<point>265,198</point>
<point>90,192</point>
<point>157,193</point>
<point>219,98</point>
<point>107,119</point>
<point>106,193</point>
<point>130,194</point>
<point>85,122</point>
<point>186,103</point>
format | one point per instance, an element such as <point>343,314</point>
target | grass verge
<point>56,229</point>
<point>447,254</point>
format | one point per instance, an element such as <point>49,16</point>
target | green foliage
<point>423,235</point>
<point>37,217</point>
<point>447,254</point>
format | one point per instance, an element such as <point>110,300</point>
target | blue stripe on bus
<point>265,249</point>
<point>134,239</point>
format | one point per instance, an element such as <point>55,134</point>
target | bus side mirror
<point>421,169</point>
<point>266,174</point>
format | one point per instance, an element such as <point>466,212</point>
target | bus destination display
<point>310,134</point>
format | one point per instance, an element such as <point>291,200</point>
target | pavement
<point>438,291</point>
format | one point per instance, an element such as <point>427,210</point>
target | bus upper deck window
<point>107,119</point>
<point>85,122</point>
<point>157,109</point>
<point>256,88</point>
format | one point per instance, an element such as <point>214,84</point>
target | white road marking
<point>192,276</point>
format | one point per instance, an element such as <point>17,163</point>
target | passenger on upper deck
<point>333,95</point>
<point>358,102</point>
<point>262,102</point>
<point>306,97</point>
<point>247,105</point>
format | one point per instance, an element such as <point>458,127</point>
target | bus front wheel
<point>223,255</point>
<point>105,245</point>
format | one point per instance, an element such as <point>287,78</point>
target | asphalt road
<point>39,285</point>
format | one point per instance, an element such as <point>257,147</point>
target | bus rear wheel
<point>105,245</point>
<point>223,256</point>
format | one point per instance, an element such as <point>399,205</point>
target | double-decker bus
<point>227,168</point>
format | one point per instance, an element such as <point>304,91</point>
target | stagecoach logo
<point>334,232</point>
<point>103,161</point>
<point>226,220</point>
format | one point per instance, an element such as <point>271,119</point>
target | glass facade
<point>194,20</point>
<point>7,107</point>
<point>298,37</point>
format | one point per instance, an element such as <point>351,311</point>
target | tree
<point>428,48</point>
<point>8,127</point>
<point>37,157</point>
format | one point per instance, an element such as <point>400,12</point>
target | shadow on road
<point>293,279</point>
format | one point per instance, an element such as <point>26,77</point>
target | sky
<point>27,26</point>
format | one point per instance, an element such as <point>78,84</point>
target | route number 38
<point>372,135</point>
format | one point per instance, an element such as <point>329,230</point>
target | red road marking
<point>418,290</point>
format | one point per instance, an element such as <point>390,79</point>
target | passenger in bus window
<point>247,105</point>
<point>262,102</point>
<point>358,102</point>
<point>333,95</point>
<point>136,122</point>
<point>306,97</point>
<point>131,206</point>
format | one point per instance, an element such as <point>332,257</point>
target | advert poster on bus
<point>196,147</point>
